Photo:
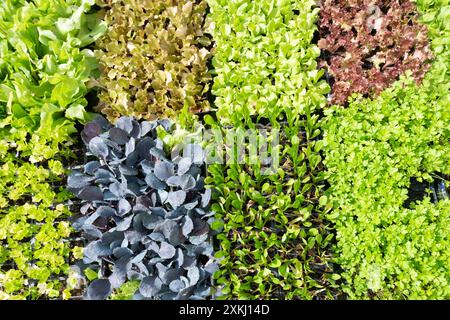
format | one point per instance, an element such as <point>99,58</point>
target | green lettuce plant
<point>264,60</point>
<point>274,241</point>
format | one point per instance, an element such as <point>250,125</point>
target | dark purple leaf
<point>143,147</point>
<point>92,231</point>
<point>98,147</point>
<point>147,166</point>
<point>188,226</point>
<point>132,159</point>
<point>90,131</point>
<point>101,121</point>
<point>150,286</point>
<point>176,214</point>
<point>158,211</point>
<point>96,249</point>
<point>143,200</point>
<point>189,261</point>
<point>171,231</point>
<point>179,257</point>
<point>134,236</point>
<point>166,251</point>
<point>122,252</point>
<point>123,207</point>
<point>125,123</point>
<point>91,166</point>
<point>151,221</point>
<point>124,224</point>
<point>99,289</point>
<point>200,232</point>
<point>190,206</point>
<point>143,270</point>
<point>119,136</point>
<point>127,170</point>
<point>91,193</point>
<point>105,211</point>
<point>136,129</point>
<point>146,127</point>
<point>158,154</point>
<point>154,182</point>
<point>138,258</point>
<point>185,182</point>
<point>163,195</point>
<point>177,285</point>
<point>78,181</point>
<point>117,189</point>
<point>104,175</point>
<point>211,267</point>
<point>171,275</point>
<point>120,269</point>
<point>176,198</point>
<point>163,170</point>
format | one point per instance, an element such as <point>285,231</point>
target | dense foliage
<point>44,77</point>
<point>274,243</point>
<point>388,246</point>
<point>366,45</point>
<point>264,60</point>
<point>154,58</point>
<point>286,197</point>
<point>146,217</point>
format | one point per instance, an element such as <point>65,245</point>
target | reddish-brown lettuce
<point>367,44</point>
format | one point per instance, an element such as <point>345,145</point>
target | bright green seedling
<point>34,229</point>
<point>264,60</point>
<point>274,241</point>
